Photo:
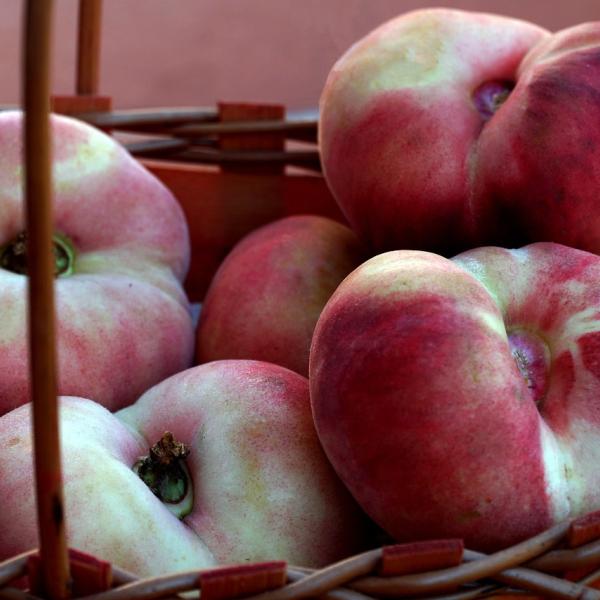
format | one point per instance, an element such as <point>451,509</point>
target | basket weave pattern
<point>562,562</point>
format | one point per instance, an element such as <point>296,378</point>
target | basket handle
<point>88,47</point>
<point>42,351</point>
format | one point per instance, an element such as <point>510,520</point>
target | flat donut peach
<point>462,397</point>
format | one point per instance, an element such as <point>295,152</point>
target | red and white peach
<point>444,129</point>
<point>255,485</point>
<point>121,249</point>
<point>459,398</point>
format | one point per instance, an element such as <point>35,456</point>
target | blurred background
<point>197,52</point>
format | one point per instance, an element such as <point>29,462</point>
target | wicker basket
<point>248,188</point>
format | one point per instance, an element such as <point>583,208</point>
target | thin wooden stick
<point>14,567</point>
<point>152,587</point>
<point>590,578</point>
<point>150,119</point>
<point>305,130</point>
<point>568,559</point>
<point>201,121</point>
<point>295,574</point>
<point>157,148</point>
<point>546,585</point>
<point>38,196</point>
<point>88,48</point>
<point>10,593</point>
<point>196,154</point>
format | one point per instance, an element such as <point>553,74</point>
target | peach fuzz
<point>459,398</point>
<point>123,319</point>
<point>444,130</point>
<point>266,297</point>
<point>261,487</point>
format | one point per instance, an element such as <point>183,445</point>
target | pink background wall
<point>196,52</point>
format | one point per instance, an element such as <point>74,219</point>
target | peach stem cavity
<point>14,255</point>
<point>532,357</point>
<point>490,96</point>
<point>164,471</point>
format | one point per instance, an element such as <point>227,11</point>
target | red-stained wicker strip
<point>419,557</point>
<point>66,104</point>
<point>584,529</point>
<point>448,579</point>
<point>239,581</point>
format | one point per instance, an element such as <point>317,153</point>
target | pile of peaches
<point>430,368</point>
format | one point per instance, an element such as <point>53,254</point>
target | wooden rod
<point>88,47</point>
<point>39,224</point>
